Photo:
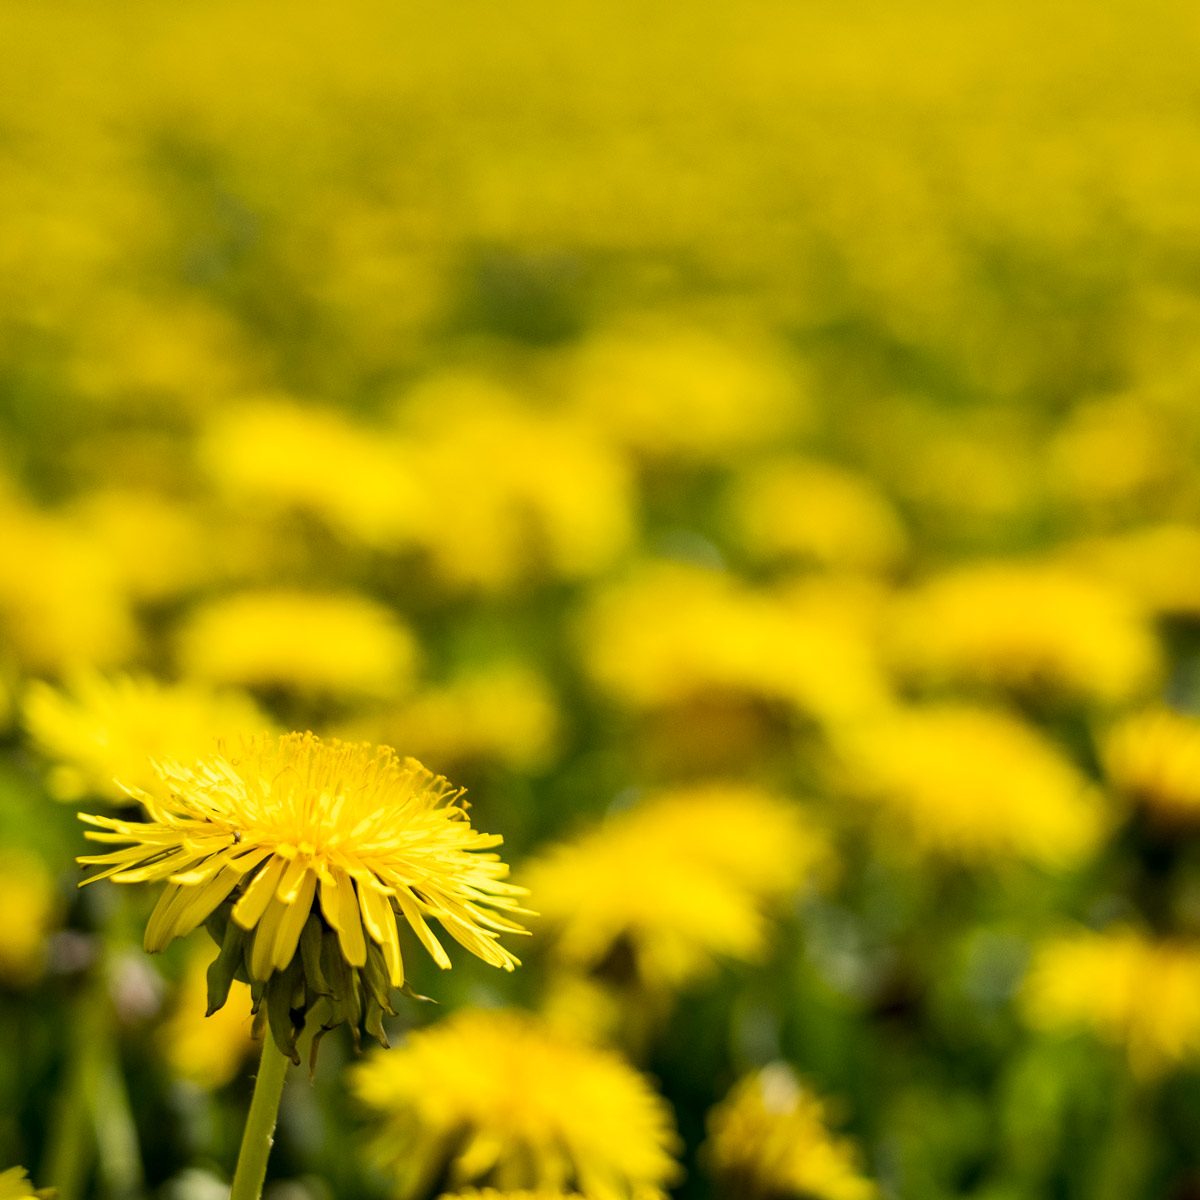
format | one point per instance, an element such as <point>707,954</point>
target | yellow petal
<point>287,937</point>
<point>248,911</point>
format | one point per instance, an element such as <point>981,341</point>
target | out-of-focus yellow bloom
<point>676,632</point>
<point>770,1137</point>
<point>1159,565</point>
<point>105,733</point>
<point>15,1185</point>
<point>342,645</point>
<point>31,906</point>
<point>523,1194</point>
<point>494,1098</point>
<point>1036,630</point>
<point>504,713</point>
<point>668,389</point>
<point>206,1050</point>
<point>534,493</point>
<point>1154,758</point>
<point>1114,451</point>
<point>260,830</point>
<point>684,878</point>
<point>292,457</point>
<point>1138,993</point>
<point>61,602</point>
<point>815,513</point>
<point>972,784</point>
<point>155,544</point>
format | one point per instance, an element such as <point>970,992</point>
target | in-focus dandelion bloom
<point>972,784</point>
<point>684,878</point>
<point>1153,757</point>
<point>770,1137</point>
<point>303,856</point>
<point>493,1098</point>
<point>1128,989</point>
<point>100,729</point>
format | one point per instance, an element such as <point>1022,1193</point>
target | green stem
<point>259,1134</point>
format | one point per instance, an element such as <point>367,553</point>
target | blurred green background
<point>752,447</point>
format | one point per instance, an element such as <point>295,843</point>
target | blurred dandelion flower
<point>1030,629</point>
<point>494,1098</point>
<point>770,1138</point>
<point>674,631</point>
<point>206,1049</point>
<point>522,1194</point>
<point>99,730</point>
<point>686,877</point>
<point>972,784</point>
<point>15,1185</point>
<point>1133,991</point>
<point>816,514</point>
<point>341,645</point>
<point>30,904</point>
<point>249,839</point>
<point>1157,564</point>
<point>1154,757</point>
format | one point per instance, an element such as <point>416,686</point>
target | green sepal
<point>223,969</point>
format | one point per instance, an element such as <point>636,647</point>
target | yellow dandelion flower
<point>98,729</point>
<point>684,878</point>
<point>1157,564</point>
<point>504,713</point>
<point>972,784</point>
<point>669,389</point>
<point>206,1050</point>
<point>522,1194</point>
<point>30,904</point>
<point>557,502</point>
<point>303,856</point>
<point>815,513</point>
<point>1032,629</point>
<point>1154,758</point>
<point>342,645</point>
<point>493,1098</point>
<point>770,1137</point>
<point>1137,993</point>
<point>69,611</point>
<point>289,457</point>
<point>675,632</point>
<point>15,1185</point>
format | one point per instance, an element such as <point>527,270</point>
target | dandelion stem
<point>259,1134</point>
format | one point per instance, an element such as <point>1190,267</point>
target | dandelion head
<point>495,1099</point>
<point>303,856</point>
<point>770,1137</point>
<point>99,729</point>
<point>1135,992</point>
<point>1153,757</point>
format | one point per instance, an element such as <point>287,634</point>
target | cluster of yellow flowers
<point>759,464</point>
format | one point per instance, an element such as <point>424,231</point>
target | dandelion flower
<point>770,1138</point>
<point>15,1185</point>
<point>206,1050</point>
<point>1135,992</point>
<point>683,879</point>
<point>972,784</point>
<point>30,904</point>
<point>101,729</point>
<point>1028,629</point>
<point>1154,757</point>
<point>815,513</point>
<point>303,856</point>
<point>493,1098</point>
<point>340,645</point>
